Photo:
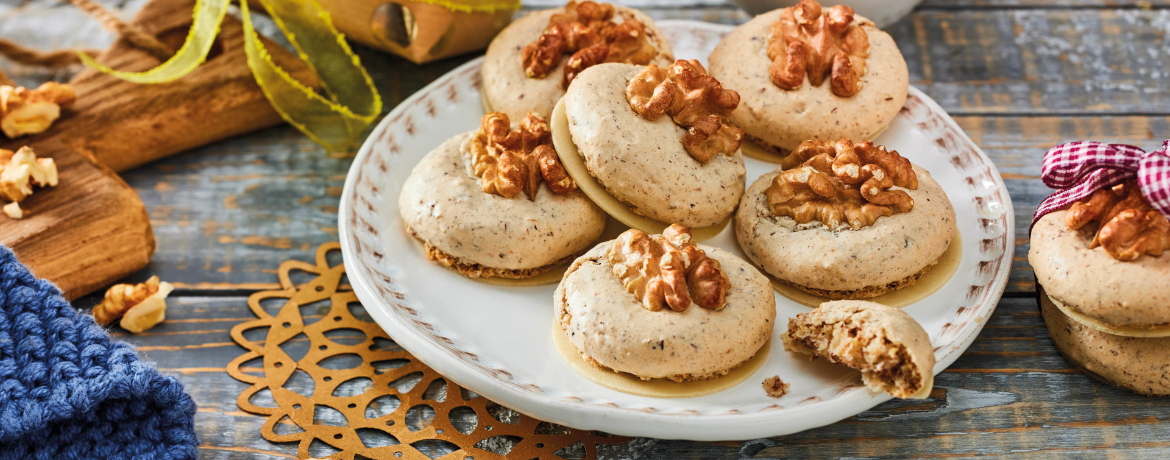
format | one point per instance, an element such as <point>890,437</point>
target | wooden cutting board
<point>92,229</point>
<point>85,233</point>
<point>123,125</point>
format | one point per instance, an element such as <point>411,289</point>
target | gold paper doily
<point>367,397</point>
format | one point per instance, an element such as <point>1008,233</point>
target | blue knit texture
<point>68,392</point>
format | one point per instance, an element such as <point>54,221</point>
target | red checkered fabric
<point>1077,169</point>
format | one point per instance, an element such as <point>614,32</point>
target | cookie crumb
<point>775,387</point>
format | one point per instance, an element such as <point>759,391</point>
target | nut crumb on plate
<point>775,387</point>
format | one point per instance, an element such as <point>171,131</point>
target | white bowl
<point>881,12</point>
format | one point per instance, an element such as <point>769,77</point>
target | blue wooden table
<point>1018,75</point>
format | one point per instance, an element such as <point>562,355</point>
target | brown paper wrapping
<point>417,30</point>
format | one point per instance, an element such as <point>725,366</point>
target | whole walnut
<point>587,33</point>
<point>839,183</point>
<point>1129,225</point>
<point>694,100</point>
<point>668,270</point>
<point>512,161</point>
<point>806,40</point>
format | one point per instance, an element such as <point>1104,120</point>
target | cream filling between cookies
<point>573,161</point>
<point>485,103</point>
<point>655,388</point>
<point>935,277</point>
<point>1124,331</point>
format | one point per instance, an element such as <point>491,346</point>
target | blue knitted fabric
<point>68,392</point>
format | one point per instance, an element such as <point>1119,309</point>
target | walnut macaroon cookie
<point>661,306</point>
<point>652,145</point>
<point>812,73</point>
<point>845,220</point>
<point>890,348</point>
<point>1137,363</point>
<point>530,63</point>
<point>1104,282</point>
<point>496,203</point>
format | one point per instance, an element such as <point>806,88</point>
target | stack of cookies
<point>1103,277</point>
<point>610,124</point>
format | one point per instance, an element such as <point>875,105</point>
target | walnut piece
<point>668,270</point>
<point>1129,226</point>
<point>24,111</point>
<point>586,31</point>
<point>806,41</point>
<point>775,387</point>
<point>19,172</point>
<point>696,101</point>
<point>508,162</point>
<point>841,182</point>
<point>141,306</point>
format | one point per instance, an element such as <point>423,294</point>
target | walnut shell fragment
<point>694,100</point>
<point>20,171</point>
<point>668,270</point>
<point>141,306</point>
<point>842,183</point>
<point>510,161</point>
<point>24,111</point>
<point>1129,226</point>
<point>809,41</point>
<point>892,351</point>
<point>586,31</point>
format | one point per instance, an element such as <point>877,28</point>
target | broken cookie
<point>891,350</point>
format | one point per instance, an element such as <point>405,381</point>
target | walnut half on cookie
<point>891,350</point>
<point>668,270</point>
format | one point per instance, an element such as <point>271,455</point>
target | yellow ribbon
<point>469,6</point>
<point>335,120</point>
<point>208,15</point>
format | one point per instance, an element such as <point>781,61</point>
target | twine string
<point>56,59</point>
<point>134,35</point>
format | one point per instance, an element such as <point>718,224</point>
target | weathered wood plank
<point>1021,79</point>
<point>1011,391</point>
<point>1039,61</point>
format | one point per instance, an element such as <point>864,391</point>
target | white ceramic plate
<point>496,342</point>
